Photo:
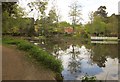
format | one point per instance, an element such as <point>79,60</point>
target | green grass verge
<point>35,52</point>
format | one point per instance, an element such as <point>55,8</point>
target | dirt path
<point>16,67</point>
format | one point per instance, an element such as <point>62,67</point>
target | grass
<point>35,52</point>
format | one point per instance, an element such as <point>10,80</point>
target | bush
<point>25,46</point>
<point>36,52</point>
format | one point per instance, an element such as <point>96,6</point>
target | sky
<point>87,7</point>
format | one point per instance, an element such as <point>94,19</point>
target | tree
<point>52,15</point>
<point>64,24</point>
<point>75,13</point>
<point>112,25</point>
<point>9,7</point>
<point>11,12</point>
<point>88,26</point>
<point>56,11</point>
<point>91,16</point>
<point>101,11</point>
<point>98,25</point>
<point>40,7</point>
<point>12,9</point>
<point>98,21</point>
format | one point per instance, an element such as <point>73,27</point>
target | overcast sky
<point>87,6</point>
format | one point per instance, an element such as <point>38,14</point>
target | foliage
<point>58,77</point>
<point>112,26</point>
<point>12,9</point>
<point>52,15</point>
<point>38,6</point>
<point>83,36</point>
<point>101,11</point>
<point>13,21</point>
<point>89,79</point>
<point>88,28</point>
<point>64,24</point>
<point>9,7</point>
<point>17,25</point>
<point>46,23</point>
<point>36,52</point>
<point>91,16</point>
<point>101,25</point>
<point>97,26</point>
<point>75,13</point>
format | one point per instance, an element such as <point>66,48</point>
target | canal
<point>81,57</point>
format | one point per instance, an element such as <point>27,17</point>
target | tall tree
<point>101,11</point>
<point>75,13</point>
<point>91,16</point>
<point>40,7</point>
<point>9,7</point>
<point>11,13</point>
<point>52,15</point>
<point>112,25</point>
<point>55,7</point>
<point>12,9</point>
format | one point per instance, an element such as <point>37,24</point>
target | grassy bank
<point>35,52</point>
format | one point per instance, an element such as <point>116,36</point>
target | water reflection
<point>79,59</point>
<point>102,52</point>
<point>73,64</point>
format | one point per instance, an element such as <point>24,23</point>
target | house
<point>68,30</point>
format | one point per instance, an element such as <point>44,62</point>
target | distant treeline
<point>18,26</point>
<point>104,26</point>
<point>15,23</point>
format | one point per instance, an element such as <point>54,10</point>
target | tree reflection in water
<point>102,52</point>
<point>80,58</point>
<point>101,61</point>
<point>56,51</point>
<point>74,61</point>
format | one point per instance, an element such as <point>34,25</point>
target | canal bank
<point>39,56</point>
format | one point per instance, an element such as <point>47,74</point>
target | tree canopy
<point>101,11</point>
<point>75,13</point>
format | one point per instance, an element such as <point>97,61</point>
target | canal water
<point>80,58</point>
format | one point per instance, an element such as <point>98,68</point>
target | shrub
<point>25,46</point>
